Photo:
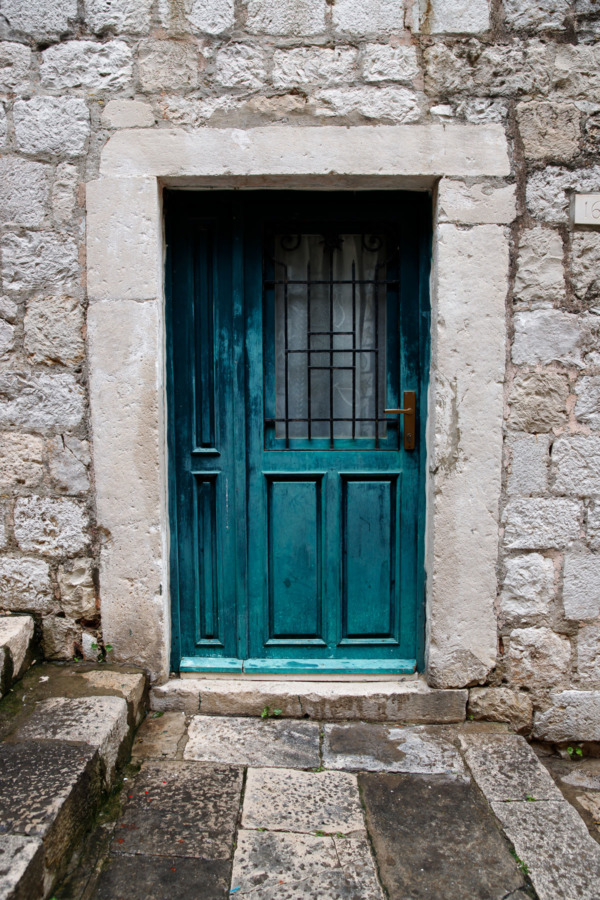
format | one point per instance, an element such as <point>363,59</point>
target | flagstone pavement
<point>294,809</point>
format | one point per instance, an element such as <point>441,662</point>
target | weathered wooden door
<point>294,321</point>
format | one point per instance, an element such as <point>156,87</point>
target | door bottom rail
<point>299,666</point>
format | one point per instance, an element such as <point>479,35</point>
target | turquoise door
<point>297,331</point>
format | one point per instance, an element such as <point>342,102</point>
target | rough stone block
<point>548,335</point>
<point>538,402</point>
<point>40,19</point>
<point>379,17</point>
<point>52,125</point>
<point>127,685</point>
<point>455,16</point>
<point>528,586</point>
<point>593,525</point>
<point>50,527</point>
<point>588,655</point>
<point>253,742</point>
<point>587,408</point>
<point>197,16</point>
<point>549,130</point>
<point>313,65</point>
<point>576,464</point>
<point>77,594</point>
<point>21,867</point>
<point>100,722</point>
<point>483,110</point>
<point>506,768</point>
<point>497,71</point>
<point>60,637</point>
<point>40,400</point>
<point>21,459</point>
<point>25,585</point>
<point>23,191</point>
<point>547,191</point>
<point>159,738</point>
<point>501,705</point>
<point>54,330</point>
<point>127,114</point>
<point>538,14</point>
<point>289,17</point>
<point>69,459</point>
<point>540,276</point>
<point>123,213</point>
<point>240,65</point>
<point>3,125</point>
<point>536,524</point>
<point>575,72</point>
<point>118,15</point>
<point>39,260</point>
<point>581,586</point>
<point>477,204</point>
<point>168,66</point>
<point>384,62</point>
<point>585,267</point>
<point>7,338</point>
<point>64,192</point>
<point>16,634</point>
<point>87,66</point>
<point>15,66</point>
<point>397,104</point>
<point>571,716</point>
<point>529,458</point>
<point>538,658</point>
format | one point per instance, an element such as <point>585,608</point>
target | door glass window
<point>330,295</point>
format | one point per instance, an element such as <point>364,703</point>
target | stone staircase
<point>66,730</point>
<point>16,649</point>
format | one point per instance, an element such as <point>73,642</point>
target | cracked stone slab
<point>372,747</point>
<point>277,866</point>
<point>159,736</point>
<point>180,809</point>
<point>48,790</point>
<point>289,800</point>
<point>21,867</point>
<point>253,742</point>
<point>98,721</point>
<point>434,837</point>
<point>563,861</point>
<point>506,768</point>
<point>162,878</point>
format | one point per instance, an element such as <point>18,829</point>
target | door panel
<point>293,320</point>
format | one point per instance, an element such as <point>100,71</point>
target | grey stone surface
<point>197,16</point>
<point>52,527</point>
<point>16,634</point>
<point>389,748</point>
<point>576,462</point>
<point>21,867</point>
<point>547,191</point>
<point>499,704</point>
<point>308,866</point>
<point>100,722</point>
<point>528,586</point>
<point>528,472</point>
<point>21,459</point>
<point>585,261</point>
<point>54,330</point>
<point>77,593</point>
<point>289,800</point>
<point>541,524</point>
<point>64,192</point>
<point>127,114</point>
<point>549,130</point>
<point>506,768</point>
<point>253,742</point>
<point>52,125</point>
<point>313,65</point>
<point>60,637</point>
<point>384,62</point>
<point>286,17</point>
<point>381,17</point>
<point>392,103</point>
<point>87,66</point>
<point>40,19</point>
<point>538,14</point>
<point>15,63</point>
<point>571,716</point>
<point>538,402</point>
<point>477,204</point>
<point>455,16</point>
<point>163,878</point>
<point>68,461</point>
<point>118,15</point>
<point>588,655</point>
<point>581,586</point>
<point>587,408</point>
<point>160,736</point>
<point>130,686</point>
<point>538,658</point>
<point>168,65</point>
<point>25,584</point>
<point>563,861</point>
<point>434,837</point>
<point>39,261</point>
<point>23,191</point>
<point>48,790</point>
<point>550,335</point>
<point>40,400</point>
<point>181,810</point>
<point>240,66</point>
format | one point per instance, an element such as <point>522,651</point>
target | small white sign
<point>586,209</point>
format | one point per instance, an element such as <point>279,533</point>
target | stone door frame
<point>126,356</point>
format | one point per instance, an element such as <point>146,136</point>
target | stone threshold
<point>405,701</point>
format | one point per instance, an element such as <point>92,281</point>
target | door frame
<point>125,256</point>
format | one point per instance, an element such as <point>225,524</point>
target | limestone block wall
<point>75,72</point>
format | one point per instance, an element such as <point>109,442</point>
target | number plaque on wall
<point>586,209</point>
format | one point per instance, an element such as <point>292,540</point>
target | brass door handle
<point>410,422</point>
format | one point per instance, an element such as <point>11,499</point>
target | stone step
<point>57,766</point>
<point>385,701</point>
<point>16,649</point>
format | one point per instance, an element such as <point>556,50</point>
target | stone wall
<point>73,72</point>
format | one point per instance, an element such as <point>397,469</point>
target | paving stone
<point>276,866</point>
<point>288,800</point>
<point>98,721</point>
<point>389,748</point>
<point>181,809</point>
<point>253,742</point>
<point>563,861</point>
<point>49,791</point>
<point>159,736</point>
<point>21,867</point>
<point>506,768</point>
<point>129,686</point>
<point>162,878</point>
<point>435,838</point>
